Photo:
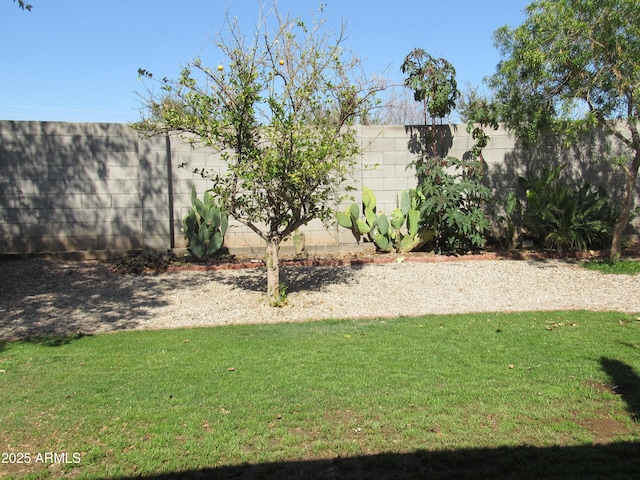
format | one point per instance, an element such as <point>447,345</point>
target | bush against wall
<point>564,217</point>
<point>452,199</point>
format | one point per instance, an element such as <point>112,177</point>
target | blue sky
<point>77,60</point>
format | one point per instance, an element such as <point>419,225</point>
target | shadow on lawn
<point>612,461</point>
<point>625,382</point>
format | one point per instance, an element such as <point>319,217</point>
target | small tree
<point>433,82</point>
<point>280,110</point>
<point>571,66</point>
<point>451,190</point>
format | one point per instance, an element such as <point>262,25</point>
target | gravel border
<point>41,297</point>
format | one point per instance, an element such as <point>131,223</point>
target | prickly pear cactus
<point>397,219</point>
<point>368,198</point>
<point>383,224</point>
<point>205,225</point>
<point>405,202</point>
<point>298,242</point>
<point>400,231</point>
<point>383,243</point>
<point>350,218</point>
<point>410,234</point>
<point>413,222</point>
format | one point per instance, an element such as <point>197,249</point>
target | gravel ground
<point>43,297</point>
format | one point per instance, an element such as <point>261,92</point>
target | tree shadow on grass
<point>625,382</point>
<point>54,340</point>
<point>612,461</point>
<point>297,278</point>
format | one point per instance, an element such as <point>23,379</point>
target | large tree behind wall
<point>571,66</point>
<point>280,108</point>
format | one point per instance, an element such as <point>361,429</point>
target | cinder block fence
<point>100,189</point>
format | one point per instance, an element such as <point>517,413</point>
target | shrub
<point>452,203</point>
<point>512,221</point>
<point>563,217</point>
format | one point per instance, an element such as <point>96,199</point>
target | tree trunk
<point>273,273</point>
<point>627,204</point>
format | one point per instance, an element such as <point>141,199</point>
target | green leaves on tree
<point>280,109</point>
<point>573,65</point>
<point>433,81</point>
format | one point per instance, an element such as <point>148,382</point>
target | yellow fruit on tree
<point>220,68</point>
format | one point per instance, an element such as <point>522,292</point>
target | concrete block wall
<point>72,187</point>
<point>384,163</point>
<point>69,187</point>
<point>155,208</point>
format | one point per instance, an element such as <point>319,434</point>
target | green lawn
<point>453,396</point>
<point>619,267</point>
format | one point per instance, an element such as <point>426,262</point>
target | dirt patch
<point>604,430</point>
<point>600,387</point>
